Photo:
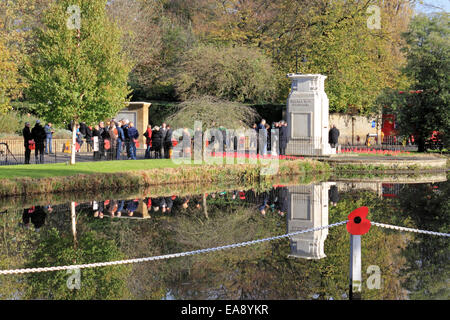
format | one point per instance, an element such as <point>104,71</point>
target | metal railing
<point>14,152</point>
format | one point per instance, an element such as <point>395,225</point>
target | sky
<point>445,4</point>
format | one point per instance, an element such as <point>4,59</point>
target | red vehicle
<point>435,141</point>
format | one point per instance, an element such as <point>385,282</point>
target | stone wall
<point>356,129</point>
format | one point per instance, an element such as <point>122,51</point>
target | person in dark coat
<point>269,138</point>
<point>36,215</point>
<point>168,145</point>
<point>163,131</point>
<point>88,138</point>
<point>120,139</point>
<point>169,204</point>
<point>125,125</point>
<point>131,206</point>
<point>333,194</point>
<point>27,136</point>
<point>157,142</point>
<point>334,136</point>
<point>283,138</point>
<point>133,135</point>
<point>97,132</point>
<point>39,135</point>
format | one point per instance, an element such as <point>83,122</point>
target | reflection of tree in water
<point>255,272</point>
<point>427,270</point>
<point>264,271</point>
<point>56,248</point>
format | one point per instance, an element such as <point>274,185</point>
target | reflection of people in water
<point>163,205</point>
<point>333,195</point>
<point>131,207</point>
<point>121,205</point>
<point>185,204</point>
<point>112,209</point>
<point>281,201</point>
<point>169,203</point>
<point>36,215</point>
<point>156,203</point>
<point>265,204</point>
<point>98,208</point>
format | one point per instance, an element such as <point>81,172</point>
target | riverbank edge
<point>207,174</point>
<point>133,180</point>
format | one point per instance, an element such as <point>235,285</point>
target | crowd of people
<point>113,139</point>
<point>274,202</point>
<point>110,140</point>
<point>264,134</point>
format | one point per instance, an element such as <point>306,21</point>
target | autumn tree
<point>8,78</point>
<point>333,36</point>
<point>78,71</point>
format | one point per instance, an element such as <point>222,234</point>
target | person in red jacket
<point>148,141</point>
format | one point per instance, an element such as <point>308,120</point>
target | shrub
<point>239,74</point>
<point>209,110</point>
<point>12,122</point>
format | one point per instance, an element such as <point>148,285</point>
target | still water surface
<point>308,266</point>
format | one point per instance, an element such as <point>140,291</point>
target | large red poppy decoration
<point>358,224</point>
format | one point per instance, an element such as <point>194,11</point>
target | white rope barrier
<point>190,253</point>
<point>387,226</point>
<point>163,257</point>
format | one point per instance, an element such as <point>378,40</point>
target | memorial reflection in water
<point>308,208</point>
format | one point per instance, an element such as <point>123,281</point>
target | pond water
<point>314,265</point>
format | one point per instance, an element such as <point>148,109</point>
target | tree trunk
<point>74,224</point>
<point>421,144</point>
<point>74,142</point>
<point>205,208</point>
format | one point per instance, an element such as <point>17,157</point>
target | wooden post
<point>355,268</point>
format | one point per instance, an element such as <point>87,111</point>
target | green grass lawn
<point>62,169</point>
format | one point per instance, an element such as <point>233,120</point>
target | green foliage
<point>234,73</point>
<point>427,271</point>
<point>96,283</point>
<point>78,76</point>
<point>154,76</point>
<point>209,110</point>
<point>428,54</point>
<point>13,122</point>
<point>9,77</point>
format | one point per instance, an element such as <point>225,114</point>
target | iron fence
<point>14,152</point>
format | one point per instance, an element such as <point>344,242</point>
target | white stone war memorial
<point>307,116</point>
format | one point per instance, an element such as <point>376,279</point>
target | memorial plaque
<point>302,205</point>
<point>303,130</point>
